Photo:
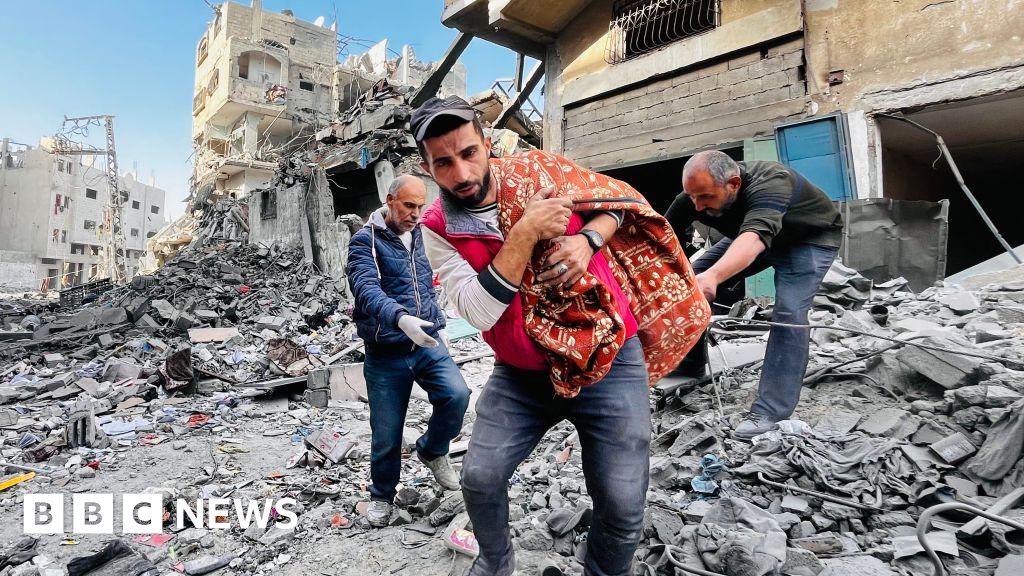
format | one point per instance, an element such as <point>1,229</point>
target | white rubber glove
<point>413,328</point>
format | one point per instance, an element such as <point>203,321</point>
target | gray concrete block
<point>800,562</point>
<point>796,504</point>
<point>891,422</point>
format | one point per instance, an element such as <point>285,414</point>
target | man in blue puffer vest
<point>399,319</point>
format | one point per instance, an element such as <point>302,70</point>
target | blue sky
<point>135,59</point>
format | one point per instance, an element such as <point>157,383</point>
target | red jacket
<point>508,337</point>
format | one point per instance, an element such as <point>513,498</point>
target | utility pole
<point>114,251</point>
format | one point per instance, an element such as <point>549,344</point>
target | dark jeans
<point>389,377</point>
<point>798,272</point>
<point>613,419</point>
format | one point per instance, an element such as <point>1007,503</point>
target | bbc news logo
<point>144,513</point>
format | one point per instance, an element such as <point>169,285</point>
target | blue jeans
<point>613,419</point>
<point>389,377</point>
<point>799,269</point>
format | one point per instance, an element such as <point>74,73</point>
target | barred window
<point>640,26</point>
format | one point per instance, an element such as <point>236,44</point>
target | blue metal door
<point>817,149</point>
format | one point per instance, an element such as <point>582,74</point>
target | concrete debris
<point>234,371</point>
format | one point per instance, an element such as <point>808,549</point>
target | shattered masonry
<point>233,371</point>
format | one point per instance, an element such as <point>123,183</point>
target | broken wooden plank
<point>202,335</point>
<point>979,525</point>
<point>272,383</point>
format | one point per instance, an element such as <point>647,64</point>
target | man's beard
<point>475,199</point>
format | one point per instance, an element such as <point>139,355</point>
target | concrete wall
<point>286,227</point>
<point>19,271</point>
<point>893,47</point>
<point>742,97</point>
<point>717,88</point>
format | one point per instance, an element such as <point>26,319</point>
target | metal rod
<point>822,495</point>
<point>963,186</point>
<point>744,321</point>
<point>37,470</point>
<point>925,520</point>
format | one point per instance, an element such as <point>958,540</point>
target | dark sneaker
<point>443,472</point>
<point>753,424</point>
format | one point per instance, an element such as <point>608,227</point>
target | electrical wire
<point>992,357</point>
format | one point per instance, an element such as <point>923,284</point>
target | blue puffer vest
<point>388,281</point>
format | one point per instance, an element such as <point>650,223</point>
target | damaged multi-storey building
<point>300,139</point>
<point>263,80</point>
<point>635,87</point>
<point>52,212</point>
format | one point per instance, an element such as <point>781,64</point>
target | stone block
<point>946,369</point>
<point>891,422</point>
<point>796,504</point>
<point>800,562</point>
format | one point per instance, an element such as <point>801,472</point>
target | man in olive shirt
<point>770,216</point>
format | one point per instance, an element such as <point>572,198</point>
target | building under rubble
<point>52,217</point>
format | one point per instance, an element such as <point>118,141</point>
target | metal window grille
<point>640,26</point>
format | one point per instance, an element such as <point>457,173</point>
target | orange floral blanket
<point>579,328</point>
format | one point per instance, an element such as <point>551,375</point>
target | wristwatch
<point>594,238</point>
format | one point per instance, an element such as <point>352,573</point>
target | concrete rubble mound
<point>233,372</point>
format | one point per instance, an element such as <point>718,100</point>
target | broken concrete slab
<point>837,422</point>
<point>796,504</point>
<point>947,369</point>
<point>1010,565</point>
<point>346,382</point>
<point>275,323</point>
<point>940,541</point>
<point>800,562</point>
<point>954,449</point>
<point>735,355</point>
<point>891,422</point>
<point>822,544</point>
<point>960,302</point>
<point>979,525</point>
<point>8,417</point>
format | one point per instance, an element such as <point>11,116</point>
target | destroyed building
<point>233,371</point>
<point>634,88</point>
<point>263,80</point>
<point>52,214</point>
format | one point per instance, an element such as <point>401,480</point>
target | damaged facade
<point>51,211</point>
<point>300,138</point>
<point>635,88</point>
<point>263,82</point>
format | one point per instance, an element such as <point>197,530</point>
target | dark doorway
<point>986,139</point>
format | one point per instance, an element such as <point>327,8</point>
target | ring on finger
<point>562,268</point>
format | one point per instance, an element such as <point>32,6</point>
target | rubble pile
<point>884,431</point>
<point>233,372</point>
